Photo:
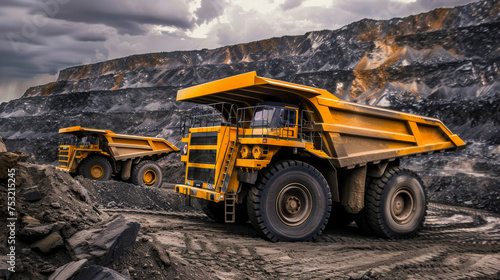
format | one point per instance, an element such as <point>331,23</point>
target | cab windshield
<point>263,117</point>
<point>267,116</point>
<point>67,139</point>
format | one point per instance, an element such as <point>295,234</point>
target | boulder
<point>103,246</point>
<point>80,191</point>
<point>55,205</point>
<point>31,194</point>
<point>99,273</point>
<point>162,254</point>
<point>49,244</point>
<point>32,233</point>
<point>7,161</point>
<point>30,221</point>
<point>68,270</point>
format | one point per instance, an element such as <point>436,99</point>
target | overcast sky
<point>40,37</point>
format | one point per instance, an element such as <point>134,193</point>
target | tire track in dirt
<point>455,243</point>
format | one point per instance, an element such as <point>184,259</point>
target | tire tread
<point>255,195</point>
<point>371,215</point>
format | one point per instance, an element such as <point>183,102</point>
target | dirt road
<point>456,243</point>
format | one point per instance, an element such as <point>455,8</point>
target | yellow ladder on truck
<point>228,166</point>
<point>230,208</point>
<point>230,198</point>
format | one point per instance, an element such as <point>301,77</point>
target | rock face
<point>99,272</point>
<point>445,56</point>
<point>103,246</point>
<point>78,270</point>
<point>417,54</point>
<point>68,270</point>
<point>7,161</point>
<point>443,64</point>
<point>49,244</point>
<point>31,233</point>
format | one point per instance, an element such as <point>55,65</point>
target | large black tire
<point>291,201</point>
<point>147,173</point>
<point>215,211</point>
<point>395,204</point>
<point>95,168</point>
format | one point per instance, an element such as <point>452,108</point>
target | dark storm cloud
<point>127,17</point>
<point>15,64</point>
<point>290,4</point>
<point>47,59</point>
<point>17,3</point>
<point>89,37</point>
<point>209,10</point>
<point>40,37</point>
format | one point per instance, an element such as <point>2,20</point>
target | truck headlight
<point>245,151</point>
<point>257,152</point>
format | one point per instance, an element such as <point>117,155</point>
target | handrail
<point>267,128</point>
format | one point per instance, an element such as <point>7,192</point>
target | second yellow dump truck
<point>291,157</point>
<point>99,154</point>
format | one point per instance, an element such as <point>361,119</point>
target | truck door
<point>288,122</point>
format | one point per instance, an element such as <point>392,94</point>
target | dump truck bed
<point>352,134</point>
<point>123,147</point>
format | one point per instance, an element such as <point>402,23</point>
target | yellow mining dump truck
<point>291,157</point>
<point>99,154</point>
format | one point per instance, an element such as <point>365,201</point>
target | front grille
<point>204,138</point>
<point>201,174</point>
<point>202,156</point>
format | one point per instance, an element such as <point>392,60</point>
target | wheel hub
<point>402,206</point>
<point>294,204</point>
<point>149,177</point>
<point>399,205</point>
<point>96,171</point>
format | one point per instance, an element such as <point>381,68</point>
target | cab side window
<point>289,117</point>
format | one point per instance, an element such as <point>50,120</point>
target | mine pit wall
<point>443,64</point>
<point>32,124</point>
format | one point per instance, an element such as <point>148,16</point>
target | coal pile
<point>173,169</point>
<point>121,195</point>
<point>58,230</point>
<point>475,119</point>
<point>466,178</point>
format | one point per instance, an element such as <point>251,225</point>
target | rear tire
<point>395,204</point>
<point>95,168</point>
<point>147,173</point>
<point>290,202</point>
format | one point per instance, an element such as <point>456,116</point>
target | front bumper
<point>63,168</point>
<point>199,193</point>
